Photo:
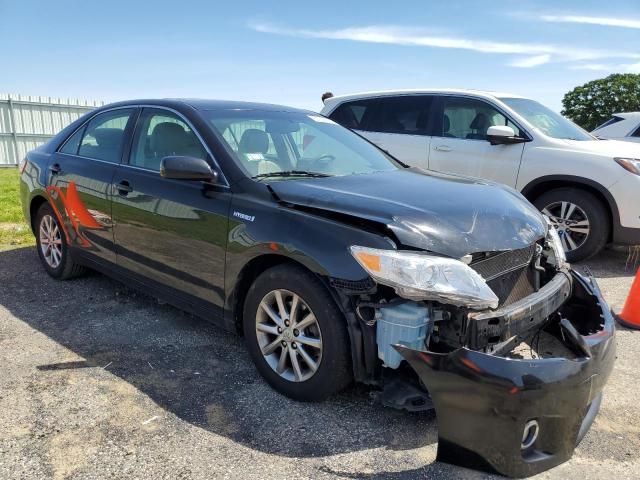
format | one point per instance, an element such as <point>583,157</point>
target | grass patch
<point>14,232</point>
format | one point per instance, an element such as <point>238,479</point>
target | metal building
<point>28,121</point>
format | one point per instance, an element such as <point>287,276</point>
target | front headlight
<point>630,164</point>
<point>419,276</point>
<point>553,240</point>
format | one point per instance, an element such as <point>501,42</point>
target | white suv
<point>589,188</point>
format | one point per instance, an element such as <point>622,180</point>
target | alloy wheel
<point>289,335</point>
<point>50,241</point>
<point>571,222</point>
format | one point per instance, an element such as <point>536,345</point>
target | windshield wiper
<point>292,173</point>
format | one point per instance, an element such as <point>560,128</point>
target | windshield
<point>295,144</point>
<point>546,120</point>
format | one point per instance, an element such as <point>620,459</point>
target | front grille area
<point>509,274</point>
<point>495,264</point>
<point>513,286</point>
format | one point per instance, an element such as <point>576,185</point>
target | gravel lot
<point>101,382</point>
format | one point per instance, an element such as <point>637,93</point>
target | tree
<point>594,102</point>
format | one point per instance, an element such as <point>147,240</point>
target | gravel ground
<point>100,382</point>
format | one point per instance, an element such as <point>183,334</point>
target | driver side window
<point>469,119</point>
<point>161,133</point>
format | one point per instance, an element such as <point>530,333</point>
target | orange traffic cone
<point>630,315</point>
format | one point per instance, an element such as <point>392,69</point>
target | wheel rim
<point>572,224</point>
<point>50,241</point>
<point>289,335</point>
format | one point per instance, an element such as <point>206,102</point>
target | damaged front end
<point>503,402</point>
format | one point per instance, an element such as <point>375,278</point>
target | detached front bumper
<point>483,402</point>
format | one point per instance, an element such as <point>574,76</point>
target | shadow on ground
<point>193,370</point>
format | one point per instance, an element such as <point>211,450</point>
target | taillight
<point>22,165</point>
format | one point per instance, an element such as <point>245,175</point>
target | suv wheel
<point>296,335</point>
<point>52,246</point>
<point>581,219</point>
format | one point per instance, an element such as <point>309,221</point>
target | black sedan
<point>336,262</point>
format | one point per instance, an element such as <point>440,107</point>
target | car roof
<point>206,104</point>
<point>333,101</point>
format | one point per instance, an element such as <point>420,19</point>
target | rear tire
<point>51,243</point>
<point>582,221</point>
<point>269,321</point>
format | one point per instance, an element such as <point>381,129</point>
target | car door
<point>397,124</point>
<point>171,234</point>
<point>80,177</point>
<point>400,126</point>
<point>459,143</point>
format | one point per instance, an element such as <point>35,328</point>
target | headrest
<point>167,137</point>
<point>479,122</point>
<point>254,141</point>
<point>108,137</point>
<point>446,123</point>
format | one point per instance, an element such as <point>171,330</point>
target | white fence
<point>27,121</point>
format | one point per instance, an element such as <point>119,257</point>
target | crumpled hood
<point>445,214</point>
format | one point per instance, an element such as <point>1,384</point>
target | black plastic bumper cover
<point>483,401</point>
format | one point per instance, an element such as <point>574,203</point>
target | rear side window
<point>636,133</point>
<point>73,142</point>
<point>407,114</point>
<point>353,115</point>
<point>160,134</point>
<point>104,135</point>
<point>611,121</point>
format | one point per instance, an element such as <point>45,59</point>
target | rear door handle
<point>442,148</point>
<point>123,188</point>
<point>55,169</point>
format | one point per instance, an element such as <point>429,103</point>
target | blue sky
<point>290,52</point>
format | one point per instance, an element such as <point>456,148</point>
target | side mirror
<point>503,135</point>
<point>187,168</point>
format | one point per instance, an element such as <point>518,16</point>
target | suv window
<point>407,114</point>
<point>160,134</point>
<point>611,121</point>
<point>469,119</point>
<point>103,136</point>
<point>353,114</point>
<point>636,133</point>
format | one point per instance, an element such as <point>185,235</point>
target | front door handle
<point>442,148</point>
<point>55,169</point>
<point>123,188</point>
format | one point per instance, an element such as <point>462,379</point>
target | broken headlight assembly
<point>557,254</point>
<point>420,276</point>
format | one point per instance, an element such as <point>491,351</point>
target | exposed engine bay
<point>530,284</point>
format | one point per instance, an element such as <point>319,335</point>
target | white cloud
<point>530,62</point>
<point>632,68</point>
<point>593,66</point>
<point>396,35</point>
<point>605,21</point>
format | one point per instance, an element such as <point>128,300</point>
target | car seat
<point>254,144</point>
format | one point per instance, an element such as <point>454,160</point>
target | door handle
<point>55,169</point>
<point>123,188</point>
<point>442,148</point>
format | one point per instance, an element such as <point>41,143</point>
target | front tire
<point>296,335</point>
<point>52,247</point>
<point>581,219</point>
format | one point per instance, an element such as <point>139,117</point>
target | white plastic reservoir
<point>407,323</point>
